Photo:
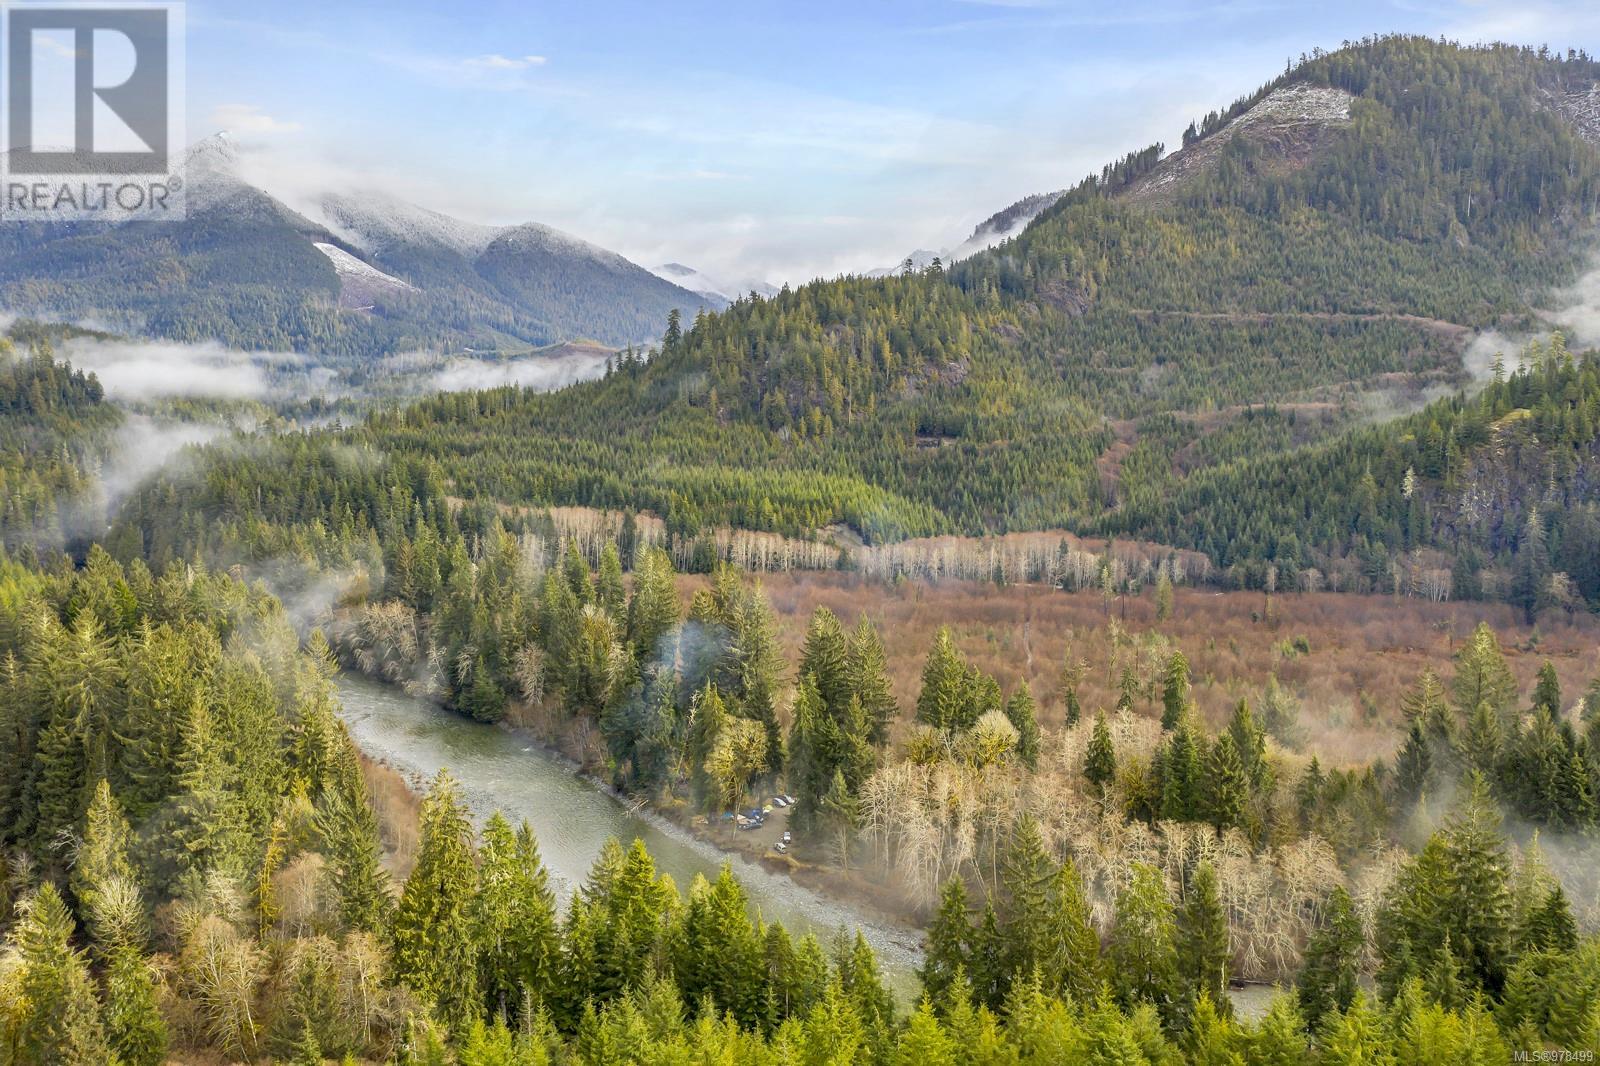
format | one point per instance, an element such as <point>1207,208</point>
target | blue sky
<point>779,140</point>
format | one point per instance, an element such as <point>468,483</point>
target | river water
<point>573,818</point>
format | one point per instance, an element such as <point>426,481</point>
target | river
<point>500,771</point>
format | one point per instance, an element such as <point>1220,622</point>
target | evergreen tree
<point>864,988</point>
<point>867,671</point>
<point>1413,767</point>
<point>1279,1037</point>
<point>103,871</point>
<point>1547,692</point>
<point>1551,926</point>
<point>1072,965</point>
<point>1100,762</point>
<point>924,1041</point>
<point>1227,787</point>
<point>1458,887</point>
<point>514,915</point>
<point>1328,979</point>
<point>808,753</point>
<point>825,659</point>
<point>435,949</point>
<point>942,701</point>
<point>576,574</point>
<point>608,587</point>
<point>1182,776</point>
<point>134,1025</point>
<point>1531,569</point>
<point>60,1019</point>
<point>1071,678</point>
<point>653,613</point>
<point>1028,877</point>
<point>715,950</point>
<point>1482,675</point>
<point>1250,740</point>
<point>834,1032</point>
<point>1483,745</point>
<point>1142,956</point>
<point>838,816</point>
<point>1020,711</point>
<point>1308,793</point>
<point>1163,597</point>
<point>949,942</point>
<point>1280,714</point>
<point>1174,691</point>
<point>1127,689</point>
<point>989,952</point>
<point>349,830</point>
<point>1204,951</point>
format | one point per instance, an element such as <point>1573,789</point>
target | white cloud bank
<point>141,371</point>
<point>541,373</point>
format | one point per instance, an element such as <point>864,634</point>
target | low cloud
<point>543,374</point>
<point>142,371</point>
<point>1488,346</point>
<point>1578,309</point>
<point>145,445</point>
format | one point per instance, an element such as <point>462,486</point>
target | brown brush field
<point>1364,651</point>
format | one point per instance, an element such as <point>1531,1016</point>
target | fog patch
<point>541,374</point>
<point>1573,310</point>
<point>143,371</point>
<point>1577,311</point>
<point>145,445</point>
<point>1490,346</point>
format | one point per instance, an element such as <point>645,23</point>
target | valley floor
<point>1362,652</point>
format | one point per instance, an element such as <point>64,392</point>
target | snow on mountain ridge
<point>373,221</point>
<point>537,236</point>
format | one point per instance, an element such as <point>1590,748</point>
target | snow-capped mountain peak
<point>213,156</point>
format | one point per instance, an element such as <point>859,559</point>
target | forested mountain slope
<point>1282,285</point>
<point>1506,483</point>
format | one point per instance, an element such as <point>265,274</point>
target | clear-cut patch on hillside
<point>1581,107</point>
<point>1289,126</point>
<point>361,284</point>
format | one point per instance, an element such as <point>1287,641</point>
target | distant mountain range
<point>723,292</point>
<point>348,275</point>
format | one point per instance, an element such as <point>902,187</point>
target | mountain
<point>348,276</point>
<point>1178,335</point>
<point>721,292</point>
